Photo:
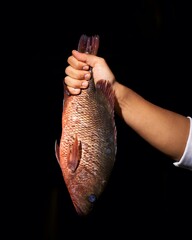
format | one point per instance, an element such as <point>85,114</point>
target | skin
<point>166,130</point>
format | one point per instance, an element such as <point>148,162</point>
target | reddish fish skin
<point>87,149</point>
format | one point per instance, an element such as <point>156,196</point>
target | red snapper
<point>87,149</point>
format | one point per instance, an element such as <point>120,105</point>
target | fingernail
<point>87,76</point>
<point>84,84</point>
<point>86,67</point>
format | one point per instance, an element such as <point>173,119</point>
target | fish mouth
<point>81,212</point>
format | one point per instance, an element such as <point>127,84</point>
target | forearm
<point>165,130</point>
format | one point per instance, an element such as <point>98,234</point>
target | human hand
<point>78,71</point>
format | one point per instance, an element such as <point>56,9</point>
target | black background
<point>147,44</point>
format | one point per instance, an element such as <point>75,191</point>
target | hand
<point>78,71</point>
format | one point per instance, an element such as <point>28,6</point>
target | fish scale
<point>87,149</point>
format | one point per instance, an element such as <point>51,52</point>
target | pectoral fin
<point>74,155</point>
<point>57,152</point>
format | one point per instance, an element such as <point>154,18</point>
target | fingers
<point>74,86</point>
<point>77,64</point>
<point>77,73</point>
<point>75,83</point>
<point>76,79</point>
<point>73,91</point>
<point>85,59</point>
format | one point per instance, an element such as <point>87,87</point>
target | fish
<point>87,149</point>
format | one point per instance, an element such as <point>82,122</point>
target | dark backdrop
<point>147,44</point>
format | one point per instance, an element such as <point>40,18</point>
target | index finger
<point>75,63</point>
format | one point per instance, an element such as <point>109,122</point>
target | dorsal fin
<point>107,90</point>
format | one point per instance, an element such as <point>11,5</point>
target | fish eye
<point>108,150</point>
<point>92,198</point>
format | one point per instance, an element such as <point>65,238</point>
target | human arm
<point>166,130</point>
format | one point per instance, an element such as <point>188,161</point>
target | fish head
<point>84,203</point>
<point>85,195</point>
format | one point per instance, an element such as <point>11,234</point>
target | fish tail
<point>88,44</point>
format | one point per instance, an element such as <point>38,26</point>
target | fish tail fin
<point>88,44</point>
